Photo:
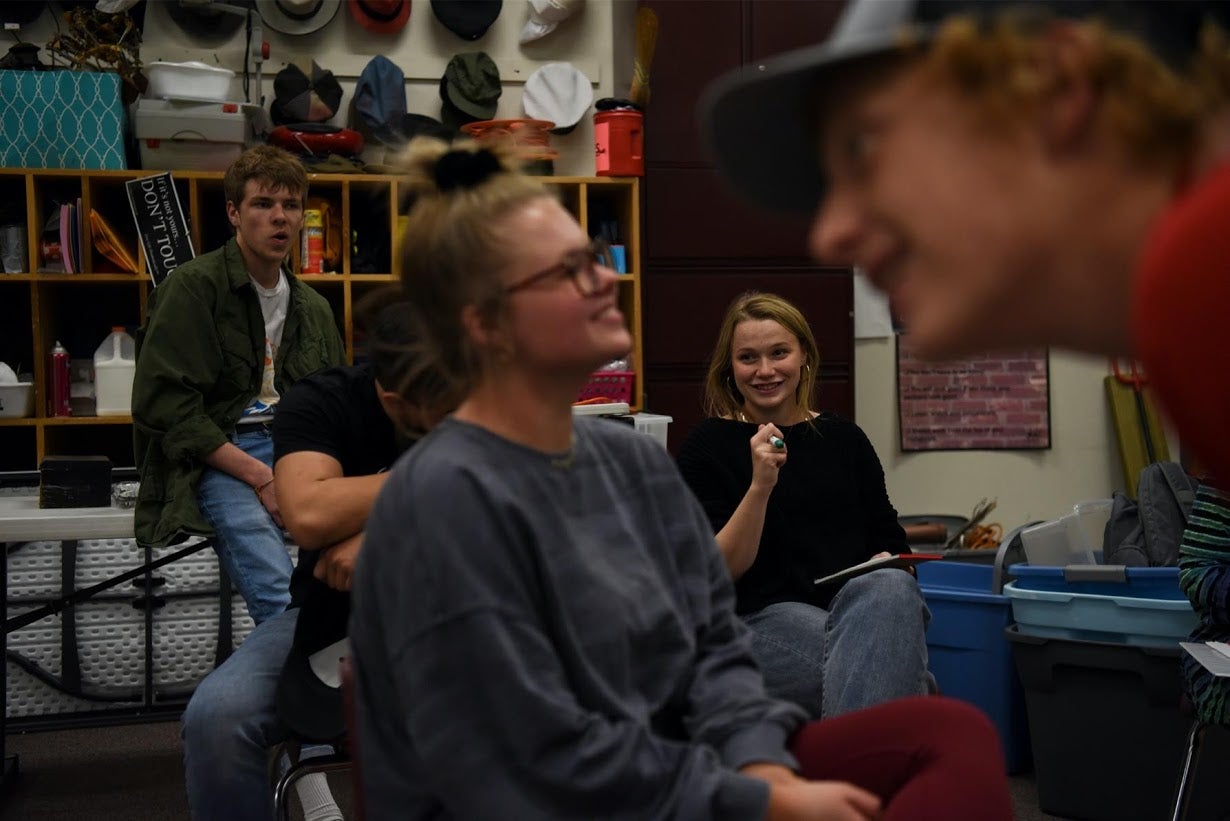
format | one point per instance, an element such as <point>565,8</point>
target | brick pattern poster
<point>995,402</point>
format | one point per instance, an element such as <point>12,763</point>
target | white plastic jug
<point>115,362</point>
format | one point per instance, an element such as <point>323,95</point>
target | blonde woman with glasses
<point>542,625</point>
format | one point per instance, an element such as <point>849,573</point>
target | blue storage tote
<point>968,653</point>
<point>1100,579</point>
<point>1092,617</point>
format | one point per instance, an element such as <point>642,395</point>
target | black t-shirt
<point>337,413</point>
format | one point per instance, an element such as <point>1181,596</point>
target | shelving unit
<point>80,309</point>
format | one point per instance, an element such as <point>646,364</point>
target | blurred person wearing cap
<point>1014,175</point>
<point>335,436</point>
<point>226,336</point>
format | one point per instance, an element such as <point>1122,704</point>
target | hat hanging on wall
<point>300,99</point>
<point>558,92</point>
<point>470,89</point>
<point>545,17</point>
<point>297,16</point>
<point>20,12</point>
<point>380,16</point>
<point>380,102</point>
<point>468,19</point>
<point>203,21</point>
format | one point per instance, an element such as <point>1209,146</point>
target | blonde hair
<point>1154,111</point>
<point>722,398</point>
<point>452,253</point>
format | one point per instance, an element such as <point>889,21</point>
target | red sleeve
<point>1181,318</point>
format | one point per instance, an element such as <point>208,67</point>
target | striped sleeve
<point>1204,556</point>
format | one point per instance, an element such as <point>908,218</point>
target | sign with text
<point>161,224</point>
<point>995,402</point>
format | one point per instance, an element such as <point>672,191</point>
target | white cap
<point>545,15</point>
<point>558,92</point>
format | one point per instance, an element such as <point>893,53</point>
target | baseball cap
<point>380,101</point>
<point>760,124</point>
<point>470,89</point>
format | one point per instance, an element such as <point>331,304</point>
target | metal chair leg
<point>1190,760</point>
<point>336,762</point>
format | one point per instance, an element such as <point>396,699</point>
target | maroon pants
<point>927,757</point>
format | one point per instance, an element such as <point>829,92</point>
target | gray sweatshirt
<point>543,636</point>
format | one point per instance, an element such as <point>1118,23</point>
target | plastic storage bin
<point>654,424</point>
<point>1102,579</point>
<point>1060,542</point>
<point>1107,730</point>
<point>190,135</point>
<point>16,400</point>
<point>115,362</point>
<point>1093,617</point>
<point>616,386</point>
<point>968,653</point>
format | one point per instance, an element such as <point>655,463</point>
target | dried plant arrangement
<point>92,40</point>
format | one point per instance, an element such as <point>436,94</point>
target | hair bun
<point>460,169</point>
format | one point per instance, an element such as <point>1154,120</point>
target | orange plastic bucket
<point>619,146</point>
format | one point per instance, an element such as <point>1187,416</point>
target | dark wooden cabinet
<point>703,246</point>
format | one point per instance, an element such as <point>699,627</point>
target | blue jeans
<point>869,647</point>
<point>231,724</point>
<point>249,545</point>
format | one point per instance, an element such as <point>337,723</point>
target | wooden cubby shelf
<point>80,309</point>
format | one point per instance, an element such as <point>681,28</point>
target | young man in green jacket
<point>226,335</point>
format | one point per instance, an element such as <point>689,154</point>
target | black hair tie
<point>464,169</point>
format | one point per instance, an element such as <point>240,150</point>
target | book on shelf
<point>66,239</point>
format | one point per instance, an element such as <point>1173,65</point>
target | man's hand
<point>269,499</point>
<point>336,563</point>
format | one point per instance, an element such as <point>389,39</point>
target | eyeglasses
<point>579,266</point>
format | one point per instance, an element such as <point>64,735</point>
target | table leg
<point>8,763</point>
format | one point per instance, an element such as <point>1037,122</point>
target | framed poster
<point>998,401</point>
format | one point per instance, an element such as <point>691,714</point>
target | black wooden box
<point>74,481</point>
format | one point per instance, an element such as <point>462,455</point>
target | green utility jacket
<point>200,360</point>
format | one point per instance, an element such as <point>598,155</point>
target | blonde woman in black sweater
<point>795,494</point>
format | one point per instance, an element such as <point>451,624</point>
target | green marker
<point>777,442</point>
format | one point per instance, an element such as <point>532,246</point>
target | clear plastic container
<point>1060,542</point>
<point>1092,516</point>
<point>115,362</point>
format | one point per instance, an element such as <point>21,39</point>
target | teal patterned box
<point>61,119</point>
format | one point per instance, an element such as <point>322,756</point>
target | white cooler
<point>177,135</point>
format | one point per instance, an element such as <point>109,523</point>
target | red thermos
<point>59,381</point>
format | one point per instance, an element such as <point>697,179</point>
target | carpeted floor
<point>136,772</point>
<point>106,774</point>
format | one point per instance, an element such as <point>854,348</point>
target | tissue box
<point>74,481</point>
<point>61,119</point>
